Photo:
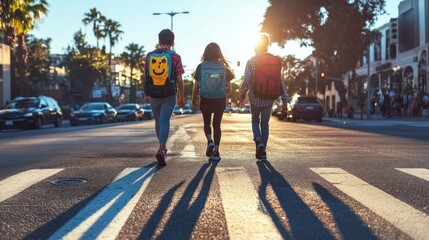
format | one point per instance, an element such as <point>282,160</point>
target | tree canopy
<point>339,30</point>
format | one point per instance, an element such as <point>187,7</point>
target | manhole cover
<point>68,181</point>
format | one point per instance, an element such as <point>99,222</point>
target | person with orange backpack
<point>264,83</point>
<point>212,84</point>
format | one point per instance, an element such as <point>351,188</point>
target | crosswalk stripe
<point>408,219</point>
<point>242,206</point>
<point>422,173</point>
<point>104,216</point>
<point>13,185</point>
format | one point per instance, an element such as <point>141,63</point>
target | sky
<point>233,24</point>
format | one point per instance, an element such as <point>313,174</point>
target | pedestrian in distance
<point>212,84</point>
<point>263,83</point>
<point>164,85</point>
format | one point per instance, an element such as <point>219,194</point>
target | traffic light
<point>322,74</point>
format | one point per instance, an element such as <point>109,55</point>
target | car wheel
<point>319,120</point>
<point>38,123</point>
<point>58,122</point>
<point>103,119</point>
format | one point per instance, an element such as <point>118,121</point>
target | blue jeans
<point>260,118</point>
<point>162,109</point>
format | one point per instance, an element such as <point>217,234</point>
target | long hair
<point>213,53</point>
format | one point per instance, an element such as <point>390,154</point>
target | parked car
<point>129,112</point>
<point>245,108</point>
<point>177,110</point>
<point>93,112</point>
<point>306,107</point>
<point>147,108</point>
<point>30,112</point>
<point>188,109</point>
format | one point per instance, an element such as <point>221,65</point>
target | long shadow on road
<point>349,224</point>
<point>303,223</point>
<point>185,215</point>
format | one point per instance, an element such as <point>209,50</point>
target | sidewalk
<point>374,117</point>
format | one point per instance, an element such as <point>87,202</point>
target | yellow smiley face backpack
<point>159,74</point>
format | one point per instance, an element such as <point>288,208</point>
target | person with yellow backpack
<point>163,84</point>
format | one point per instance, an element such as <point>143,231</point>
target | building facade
<point>5,74</point>
<point>399,61</point>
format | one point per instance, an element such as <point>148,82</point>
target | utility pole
<point>368,88</point>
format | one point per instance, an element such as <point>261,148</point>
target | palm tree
<point>17,19</point>
<point>95,17</point>
<point>113,32</point>
<point>133,57</point>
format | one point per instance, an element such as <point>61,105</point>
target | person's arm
<point>229,77</point>
<point>181,93</point>
<point>195,94</point>
<point>246,83</point>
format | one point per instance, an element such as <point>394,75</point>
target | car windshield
<point>24,104</point>
<point>307,100</point>
<point>128,106</point>
<point>93,106</point>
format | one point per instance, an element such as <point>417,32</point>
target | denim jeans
<point>162,109</point>
<point>260,118</point>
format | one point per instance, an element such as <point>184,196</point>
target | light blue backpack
<point>213,80</point>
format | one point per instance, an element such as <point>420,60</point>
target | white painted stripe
<point>104,216</point>
<point>13,185</point>
<point>408,219</point>
<point>243,211</point>
<point>422,173</point>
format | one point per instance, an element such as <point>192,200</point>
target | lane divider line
<point>422,173</point>
<point>104,216</point>
<point>403,216</point>
<point>17,183</point>
<point>244,214</point>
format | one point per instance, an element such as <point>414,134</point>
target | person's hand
<point>146,98</point>
<point>240,101</point>
<point>180,102</point>
<point>195,102</point>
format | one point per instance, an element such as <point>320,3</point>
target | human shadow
<point>185,215</point>
<point>349,224</point>
<point>303,223</point>
<point>114,197</point>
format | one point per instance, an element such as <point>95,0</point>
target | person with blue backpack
<point>163,84</point>
<point>212,84</point>
<point>264,83</point>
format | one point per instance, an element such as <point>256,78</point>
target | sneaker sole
<point>160,160</point>
<point>210,151</point>
<point>259,152</point>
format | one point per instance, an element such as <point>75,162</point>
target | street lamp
<point>172,15</point>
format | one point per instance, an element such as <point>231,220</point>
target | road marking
<point>104,216</point>
<point>408,219</point>
<point>422,173</point>
<point>13,185</point>
<point>244,214</point>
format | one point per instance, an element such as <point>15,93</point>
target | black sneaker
<point>210,148</point>
<point>215,157</point>
<point>260,149</point>
<point>161,156</point>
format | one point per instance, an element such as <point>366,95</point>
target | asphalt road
<point>331,180</point>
